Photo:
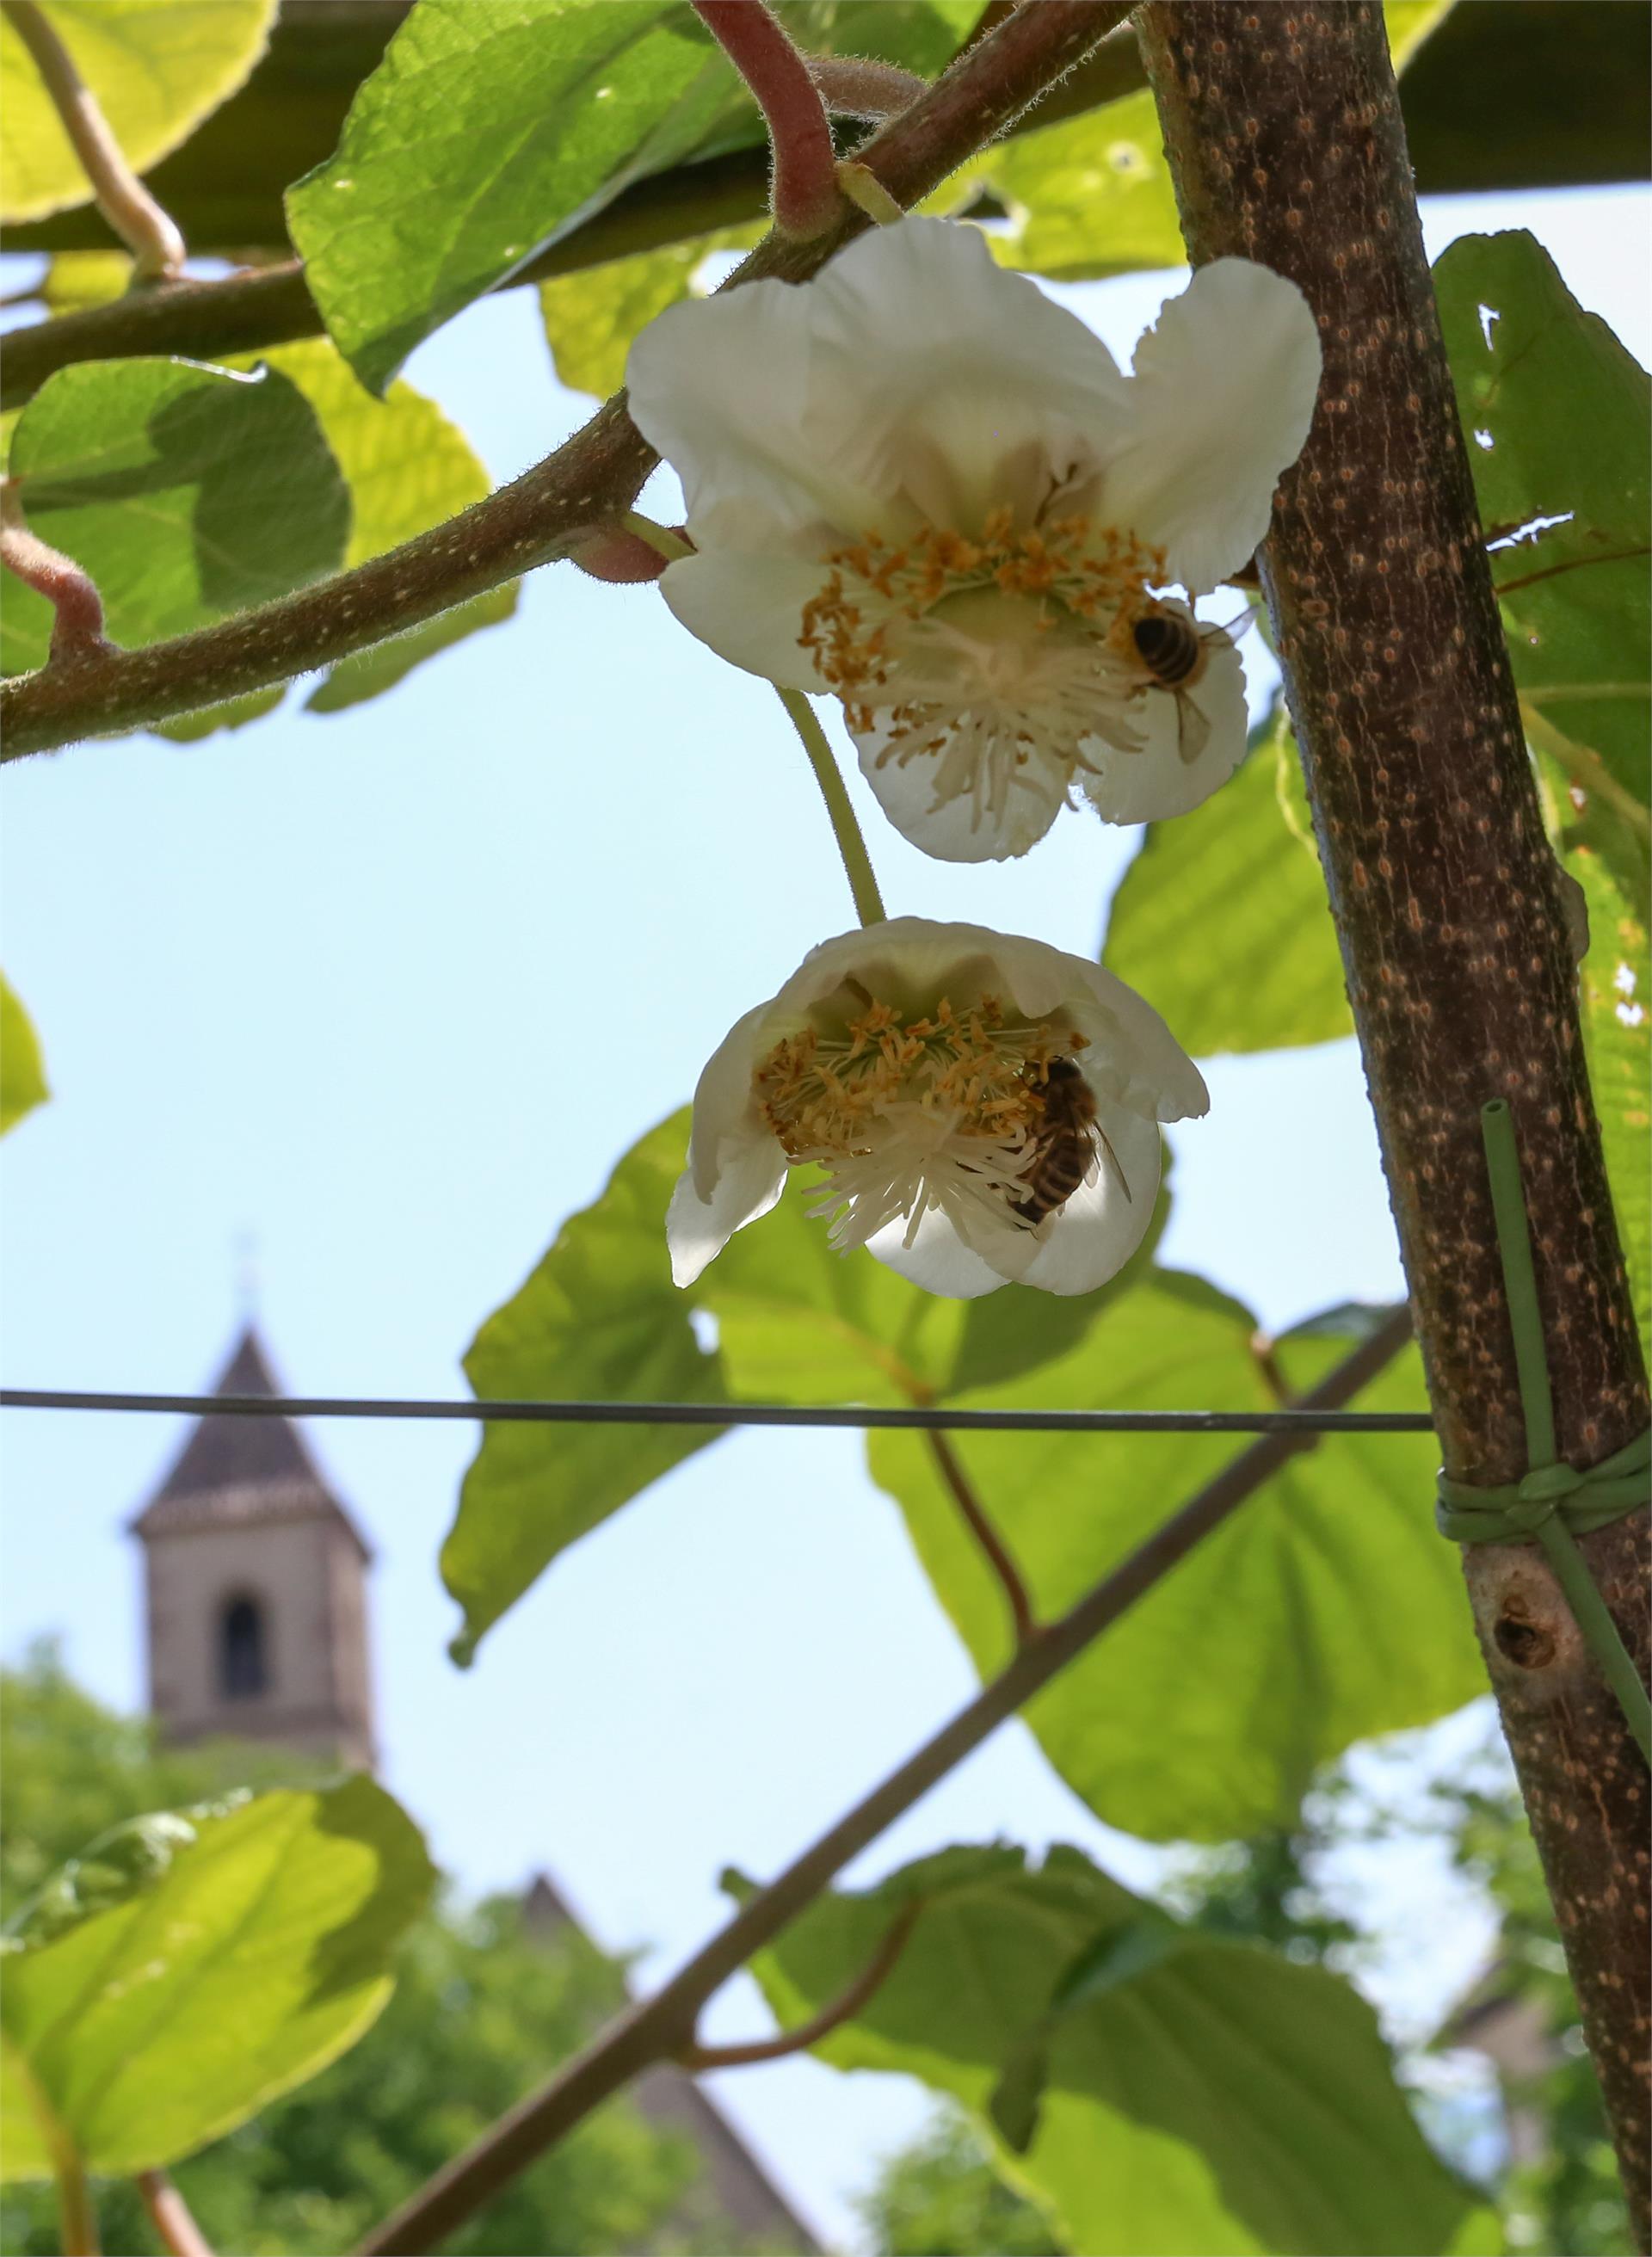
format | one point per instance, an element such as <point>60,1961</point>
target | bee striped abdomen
<point>1169,647</point>
<point>1065,1149</point>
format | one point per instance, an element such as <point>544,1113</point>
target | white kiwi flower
<point>919,485</point>
<point>981,1107</point>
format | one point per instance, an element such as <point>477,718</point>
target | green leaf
<point>1325,1609</point>
<point>1409,23</point>
<point>156,72</point>
<point>591,317</point>
<point>187,492</point>
<point>1217,2098</point>
<point>599,1321</point>
<point>1555,413</point>
<point>483,135</point>
<point>78,278</point>
<point>191,1966</point>
<point>1249,854</point>
<point>1615,994</point>
<point>1089,197</point>
<point>23,1083</point>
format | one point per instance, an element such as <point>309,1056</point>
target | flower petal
<point>1192,740</point>
<point>1134,1060</point>
<point>957,831</point>
<point>937,1259</point>
<point>914,365</point>
<point>746,1187</point>
<point>749,609</point>
<point>1100,1228</point>
<point>1223,396</point>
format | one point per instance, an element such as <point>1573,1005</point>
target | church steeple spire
<point>256,1594</point>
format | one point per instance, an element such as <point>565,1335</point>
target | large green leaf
<point>484,133</point>
<point>1207,2096</point>
<point>192,1965</point>
<point>23,1083</point>
<point>1244,865</point>
<point>599,1320</point>
<point>156,71</point>
<point>1557,412</point>
<point>187,492</point>
<point>1325,1610</point>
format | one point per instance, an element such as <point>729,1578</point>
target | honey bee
<point>1064,1153</point>
<point>1175,651</point>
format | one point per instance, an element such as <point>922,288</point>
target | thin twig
<point>1572,564</point>
<point>77,622</point>
<point>169,2214</point>
<point>798,2039</point>
<point>590,481</point>
<point>658,2028</point>
<point>997,1557</point>
<point>148,232</point>
<point>804,193</point>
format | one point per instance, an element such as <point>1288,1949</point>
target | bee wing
<point>1192,729</point>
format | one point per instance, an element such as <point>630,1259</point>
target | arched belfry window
<point>243,1648</point>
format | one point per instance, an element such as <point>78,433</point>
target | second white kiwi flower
<point>981,1107</point>
<point>918,483</point>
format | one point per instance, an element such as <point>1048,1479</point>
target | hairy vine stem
<point>662,2027</point>
<point>588,483</point>
<point>148,232</point>
<point>1283,130</point>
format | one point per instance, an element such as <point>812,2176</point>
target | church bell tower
<point>256,1587</point>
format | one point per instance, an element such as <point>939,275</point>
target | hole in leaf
<point>1484,439</point>
<point>1489,319</point>
<point>1516,534</point>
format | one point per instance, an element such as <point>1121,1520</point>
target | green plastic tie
<point>1553,1502</point>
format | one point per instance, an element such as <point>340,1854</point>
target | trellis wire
<point>927,1418</point>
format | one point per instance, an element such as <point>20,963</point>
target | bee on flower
<point>917,483</point>
<point>980,1107</point>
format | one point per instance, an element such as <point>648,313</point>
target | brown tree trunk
<point>1284,134</point>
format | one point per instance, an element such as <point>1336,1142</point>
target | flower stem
<point>148,232</point>
<point>804,195</point>
<point>77,2216</point>
<point>170,2216</point>
<point>856,862</point>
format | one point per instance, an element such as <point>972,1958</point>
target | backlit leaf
<point>156,71</point>
<point>599,1320</point>
<point>1217,2097</point>
<point>1325,1609</point>
<point>23,1083</point>
<point>187,492</point>
<point>1244,865</point>
<point>192,1965</point>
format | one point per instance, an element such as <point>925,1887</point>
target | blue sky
<point>388,993</point>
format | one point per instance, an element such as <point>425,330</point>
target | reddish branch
<point>170,2216</point>
<point>841,2009</point>
<point>803,194</point>
<point>588,484</point>
<point>1283,130</point>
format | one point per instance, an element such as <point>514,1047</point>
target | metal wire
<point>938,1419</point>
